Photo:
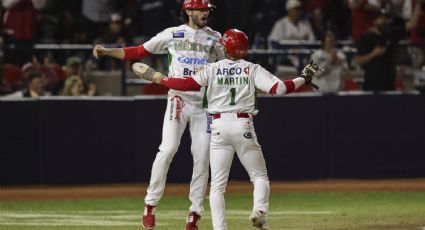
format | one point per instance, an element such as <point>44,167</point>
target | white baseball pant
<point>230,133</point>
<point>177,115</point>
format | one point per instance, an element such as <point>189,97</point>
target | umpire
<point>377,49</point>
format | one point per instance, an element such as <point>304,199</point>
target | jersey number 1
<point>232,96</point>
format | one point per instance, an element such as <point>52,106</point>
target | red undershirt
<point>135,53</point>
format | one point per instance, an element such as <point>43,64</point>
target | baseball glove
<point>148,73</point>
<point>309,71</point>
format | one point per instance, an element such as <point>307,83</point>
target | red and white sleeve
<point>287,86</point>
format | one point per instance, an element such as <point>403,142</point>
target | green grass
<point>322,211</point>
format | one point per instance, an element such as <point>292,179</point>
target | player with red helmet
<point>231,97</point>
<point>196,5</point>
<point>190,47</point>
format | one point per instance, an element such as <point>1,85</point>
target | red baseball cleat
<point>148,218</point>
<point>192,221</point>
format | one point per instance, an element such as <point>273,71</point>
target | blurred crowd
<point>30,73</point>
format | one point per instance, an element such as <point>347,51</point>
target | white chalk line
<point>120,217</point>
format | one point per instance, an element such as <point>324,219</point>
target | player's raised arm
<point>99,51</point>
<point>287,86</point>
<point>128,53</point>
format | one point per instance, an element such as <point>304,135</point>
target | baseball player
<point>189,46</point>
<point>231,97</point>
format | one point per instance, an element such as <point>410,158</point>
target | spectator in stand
<point>417,36</point>
<point>338,14</point>
<point>73,68</point>
<point>362,15</point>
<point>115,35</point>
<point>402,8</point>
<point>5,88</point>
<point>69,20</point>
<point>291,27</point>
<point>97,14</point>
<point>269,12</point>
<point>318,23</point>
<point>33,90</point>
<point>27,69</point>
<point>376,50</point>
<point>244,15</point>
<point>142,25</point>
<point>74,86</point>
<point>49,23</point>
<point>334,62</point>
<point>20,28</point>
<point>311,5</point>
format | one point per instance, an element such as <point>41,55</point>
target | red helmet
<point>235,42</point>
<point>196,5</point>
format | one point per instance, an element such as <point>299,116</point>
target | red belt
<point>239,115</point>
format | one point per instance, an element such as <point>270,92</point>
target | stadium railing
<point>301,49</point>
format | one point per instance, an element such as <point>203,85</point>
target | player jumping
<point>189,46</point>
<point>231,96</point>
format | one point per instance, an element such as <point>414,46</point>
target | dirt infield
<point>139,190</point>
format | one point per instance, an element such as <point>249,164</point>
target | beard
<point>201,21</point>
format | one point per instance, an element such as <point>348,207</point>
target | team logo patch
<point>247,135</point>
<point>178,34</point>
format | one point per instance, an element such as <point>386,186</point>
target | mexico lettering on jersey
<point>232,85</point>
<point>188,50</point>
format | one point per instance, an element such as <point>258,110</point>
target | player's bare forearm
<point>115,53</point>
<point>181,84</point>
<point>99,51</point>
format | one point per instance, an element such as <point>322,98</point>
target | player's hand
<point>98,51</point>
<point>148,73</point>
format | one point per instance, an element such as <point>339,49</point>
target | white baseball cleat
<point>259,220</point>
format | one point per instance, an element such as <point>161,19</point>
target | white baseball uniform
<point>188,50</point>
<point>231,96</point>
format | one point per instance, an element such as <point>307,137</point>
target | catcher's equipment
<point>309,71</point>
<point>196,5</point>
<point>148,73</point>
<point>235,42</point>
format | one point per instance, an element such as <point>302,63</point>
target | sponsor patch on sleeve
<point>178,34</point>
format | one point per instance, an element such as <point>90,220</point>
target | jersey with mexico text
<point>232,85</point>
<point>188,50</point>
